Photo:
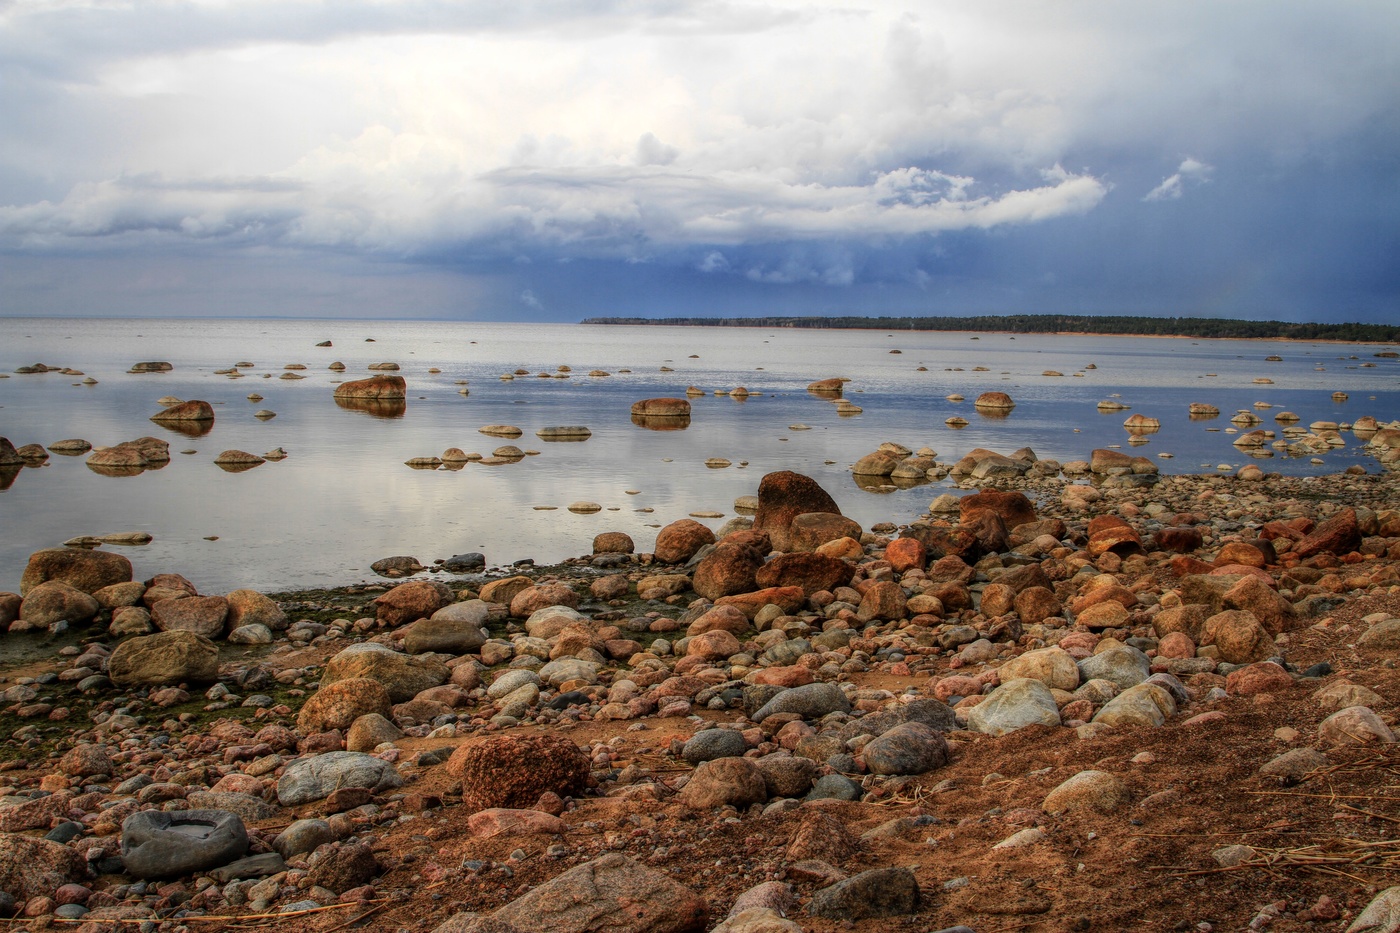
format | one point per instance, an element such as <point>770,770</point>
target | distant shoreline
<point>1054,324</point>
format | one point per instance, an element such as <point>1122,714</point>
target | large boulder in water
<point>86,570</point>
<point>194,410</point>
<point>378,387</point>
<point>661,408</point>
<point>164,658</point>
<point>784,495</point>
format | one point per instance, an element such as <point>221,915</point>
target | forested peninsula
<point>1055,324</point>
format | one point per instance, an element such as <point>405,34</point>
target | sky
<point>549,161</point>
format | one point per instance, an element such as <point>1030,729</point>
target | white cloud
<point>1191,171</point>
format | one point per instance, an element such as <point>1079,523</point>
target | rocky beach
<point>1079,696</point>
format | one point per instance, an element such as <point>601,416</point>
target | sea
<point>344,496</point>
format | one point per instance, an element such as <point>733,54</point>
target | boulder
<point>55,601</point>
<point>403,676</point>
<point>514,770</point>
<point>810,701</point>
<point>811,571</point>
<point>339,704</point>
<point>613,542</point>
<point>378,387</point>
<point>878,892</point>
<point>611,893</point>
<point>550,621</point>
<point>194,410</point>
<point>661,408</point>
<point>1125,666</point>
<point>1339,534</point>
<point>316,777</point>
<point>249,607</point>
<point>1239,636</point>
<point>1087,790</point>
<point>164,658</point>
<point>1146,704</point>
<point>883,600</point>
<point>417,599</point>
<point>1053,666</point>
<point>454,629</point>
<point>203,615</point>
<point>784,495</point>
<point>735,782</point>
<point>679,541</point>
<point>33,867</point>
<point>539,596</point>
<point>166,844</point>
<point>710,744</point>
<point>1014,705</point>
<point>909,748</point>
<point>994,401</point>
<point>86,570</point>
<point>343,866</point>
<point>1013,508</point>
<point>811,531</point>
<point>728,569</point>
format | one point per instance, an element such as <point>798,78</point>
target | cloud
<point>1191,171</point>
<point>800,145</point>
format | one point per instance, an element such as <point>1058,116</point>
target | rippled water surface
<point>344,498</point>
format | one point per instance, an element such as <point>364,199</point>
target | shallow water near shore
<point>344,498</point>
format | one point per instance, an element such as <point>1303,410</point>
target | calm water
<point>344,498</point>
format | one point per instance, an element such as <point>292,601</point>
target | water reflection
<point>187,428</point>
<point>662,422</point>
<point>8,475</point>
<point>116,469</point>
<point>375,407</point>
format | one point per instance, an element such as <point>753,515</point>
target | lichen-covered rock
<point>339,704</point>
<point>83,569</point>
<point>404,676</point>
<point>164,658</point>
<point>512,771</point>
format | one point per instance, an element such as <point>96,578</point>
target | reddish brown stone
<point>811,530</point>
<point>812,572</point>
<point>906,554</point>
<point>720,618</point>
<point>378,387</point>
<point>512,771</point>
<point>727,570</point>
<point>1182,540</point>
<point>613,542</point>
<point>1262,677</point>
<point>787,598</point>
<point>1272,610</point>
<point>406,602</point>
<point>784,495</point>
<point>1013,508</point>
<point>883,600</point>
<point>540,596</point>
<point>1035,604</point>
<point>1240,552</point>
<point>987,527</point>
<point>1338,535</point>
<point>679,541</point>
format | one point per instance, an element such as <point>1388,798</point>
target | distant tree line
<point>1055,324</point>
